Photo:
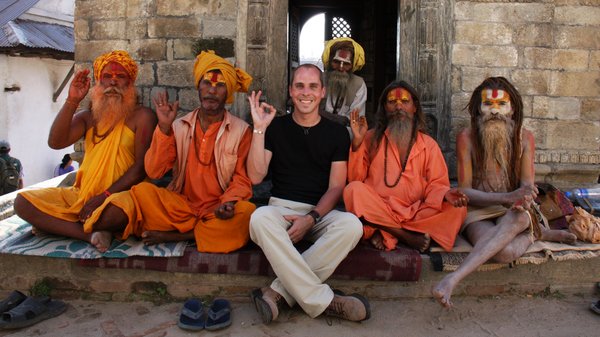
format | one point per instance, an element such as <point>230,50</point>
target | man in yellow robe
<point>117,133</point>
<point>206,149</point>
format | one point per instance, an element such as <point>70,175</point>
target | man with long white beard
<point>345,90</point>
<point>399,186</point>
<point>496,171</point>
<point>117,134</point>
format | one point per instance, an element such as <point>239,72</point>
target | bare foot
<point>154,237</point>
<point>443,291</point>
<point>36,231</point>
<point>557,235</point>
<point>418,241</point>
<point>101,240</point>
<point>377,240</point>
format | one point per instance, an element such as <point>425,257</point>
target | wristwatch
<point>315,215</point>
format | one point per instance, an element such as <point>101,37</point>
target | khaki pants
<point>300,277</point>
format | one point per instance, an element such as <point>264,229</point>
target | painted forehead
<point>398,94</point>
<point>114,67</point>
<point>214,77</point>
<point>494,95</point>
<point>343,55</point>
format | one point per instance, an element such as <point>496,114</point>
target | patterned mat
<point>16,238</point>
<point>539,252</point>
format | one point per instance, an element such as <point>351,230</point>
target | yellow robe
<point>103,164</point>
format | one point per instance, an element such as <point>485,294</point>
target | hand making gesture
<point>80,85</point>
<point>165,111</point>
<point>359,127</point>
<point>262,113</point>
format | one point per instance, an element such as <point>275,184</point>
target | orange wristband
<point>107,193</point>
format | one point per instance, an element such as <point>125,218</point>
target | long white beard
<point>337,82</point>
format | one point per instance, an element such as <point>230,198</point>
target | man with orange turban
<point>207,150</point>
<point>345,91</point>
<point>117,133</point>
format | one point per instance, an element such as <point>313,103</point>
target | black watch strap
<point>315,215</point>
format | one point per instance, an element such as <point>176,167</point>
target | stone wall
<point>161,35</point>
<point>550,50</point>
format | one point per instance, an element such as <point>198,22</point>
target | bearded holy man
<point>399,184</point>
<point>117,132</point>
<point>345,91</point>
<point>496,171</point>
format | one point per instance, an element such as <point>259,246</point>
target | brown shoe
<point>352,307</point>
<point>268,303</point>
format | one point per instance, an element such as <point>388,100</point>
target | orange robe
<point>416,203</point>
<point>151,208</point>
<point>104,163</point>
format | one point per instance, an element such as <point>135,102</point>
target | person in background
<point>64,166</point>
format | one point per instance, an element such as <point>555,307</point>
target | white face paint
<point>495,102</point>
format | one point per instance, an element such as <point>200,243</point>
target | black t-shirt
<point>302,157</point>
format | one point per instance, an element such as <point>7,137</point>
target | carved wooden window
<point>340,28</point>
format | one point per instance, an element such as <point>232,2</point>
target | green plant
<point>41,288</point>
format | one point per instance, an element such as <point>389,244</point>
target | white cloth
<point>358,103</point>
<point>300,277</point>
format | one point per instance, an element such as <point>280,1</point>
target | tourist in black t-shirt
<point>307,158</point>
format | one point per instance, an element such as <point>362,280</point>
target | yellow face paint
<point>495,101</point>
<point>399,96</point>
<point>214,78</point>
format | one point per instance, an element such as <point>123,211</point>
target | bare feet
<point>418,241</point>
<point>443,291</point>
<point>154,237</point>
<point>557,235</point>
<point>377,240</point>
<point>101,240</point>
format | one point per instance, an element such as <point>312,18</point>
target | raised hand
<point>165,111</point>
<point>80,85</point>
<point>262,113</point>
<point>456,197</point>
<point>359,127</point>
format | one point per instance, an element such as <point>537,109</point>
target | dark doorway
<point>373,24</point>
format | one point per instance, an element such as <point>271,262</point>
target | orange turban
<point>359,53</point>
<point>237,80</point>
<point>118,56</point>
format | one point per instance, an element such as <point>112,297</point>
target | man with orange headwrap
<point>345,91</point>
<point>117,134</point>
<point>207,150</point>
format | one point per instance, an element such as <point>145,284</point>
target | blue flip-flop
<point>219,315</point>
<point>192,316</point>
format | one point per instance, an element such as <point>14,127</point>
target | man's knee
<point>261,219</point>
<point>350,225</point>
<point>22,206</point>
<point>507,255</point>
<point>111,218</point>
<point>516,221</point>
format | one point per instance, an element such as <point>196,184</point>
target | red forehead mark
<point>494,93</point>
<point>215,77</point>
<point>344,54</point>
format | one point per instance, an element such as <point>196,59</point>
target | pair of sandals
<point>19,310</point>
<point>194,317</point>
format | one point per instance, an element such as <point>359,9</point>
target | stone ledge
<point>67,279</point>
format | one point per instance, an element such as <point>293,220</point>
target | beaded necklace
<point>385,159</point>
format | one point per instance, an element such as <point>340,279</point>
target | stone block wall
<point>550,50</point>
<point>160,35</point>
